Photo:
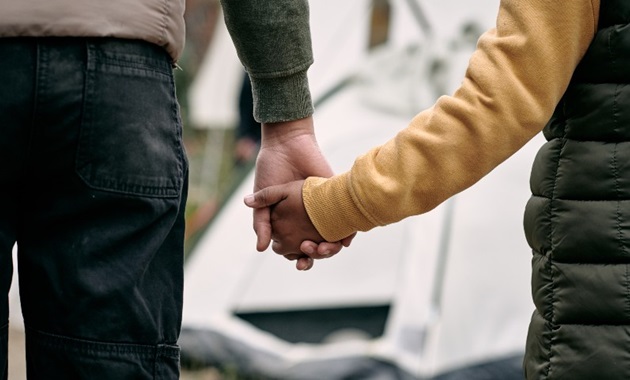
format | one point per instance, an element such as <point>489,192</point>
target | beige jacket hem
<point>157,21</point>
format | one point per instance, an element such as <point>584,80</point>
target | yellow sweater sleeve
<point>515,78</point>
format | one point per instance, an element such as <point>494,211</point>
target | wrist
<point>280,133</point>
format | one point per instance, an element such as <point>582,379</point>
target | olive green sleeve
<point>273,41</point>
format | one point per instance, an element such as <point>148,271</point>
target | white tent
<point>441,295</point>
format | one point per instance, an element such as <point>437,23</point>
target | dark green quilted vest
<point>577,221</point>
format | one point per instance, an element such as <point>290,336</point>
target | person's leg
<point>101,246</point>
<point>16,78</point>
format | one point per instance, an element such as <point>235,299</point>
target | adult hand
<point>288,152</point>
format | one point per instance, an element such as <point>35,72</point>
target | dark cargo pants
<point>92,188</point>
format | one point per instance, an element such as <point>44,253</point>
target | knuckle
<point>262,196</point>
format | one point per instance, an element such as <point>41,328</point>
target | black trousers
<point>93,179</point>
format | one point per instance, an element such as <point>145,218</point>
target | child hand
<point>291,226</point>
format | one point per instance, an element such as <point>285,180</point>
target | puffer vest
<point>577,221</point>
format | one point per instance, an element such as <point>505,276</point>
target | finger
<point>319,251</point>
<point>327,249</point>
<point>308,247</point>
<point>348,240</point>
<point>266,197</point>
<point>304,263</point>
<point>292,256</point>
<point>262,227</point>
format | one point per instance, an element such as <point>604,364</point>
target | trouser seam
<point>85,346</point>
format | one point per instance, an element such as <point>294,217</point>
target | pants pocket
<point>130,140</point>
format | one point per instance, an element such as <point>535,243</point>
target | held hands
<point>293,233</point>
<point>289,152</point>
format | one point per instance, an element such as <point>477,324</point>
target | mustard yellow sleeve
<point>514,80</point>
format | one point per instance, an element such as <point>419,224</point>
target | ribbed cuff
<point>331,208</point>
<point>282,99</point>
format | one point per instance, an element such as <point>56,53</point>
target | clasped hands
<point>288,154</point>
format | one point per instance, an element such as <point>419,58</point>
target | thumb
<point>266,197</point>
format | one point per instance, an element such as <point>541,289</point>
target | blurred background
<point>220,134</point>
<point>415,300</point>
